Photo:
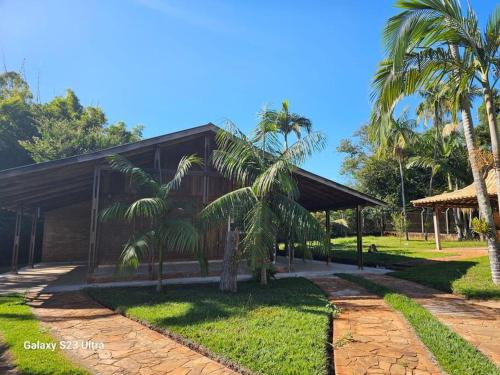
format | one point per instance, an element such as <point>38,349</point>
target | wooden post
<point>17,239</point>
<point>422,219</point>
<point>157,164</point>
<point>206,155</point>
<point>359,237</point>
<point>34,225</point>
<point>437,233</point>
<point>94,220</point>
<point>328,233</point>
<point>447,221</point>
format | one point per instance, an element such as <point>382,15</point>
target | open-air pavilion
<point>67,195</point>
<point>462,198</point>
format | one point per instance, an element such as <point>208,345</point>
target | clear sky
<point>174,64</point>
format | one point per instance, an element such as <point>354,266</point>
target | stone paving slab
<point>478,323</point>
<point>129,347</point>
<point>371,338</point>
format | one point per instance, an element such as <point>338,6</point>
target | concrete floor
<point>51,278</point>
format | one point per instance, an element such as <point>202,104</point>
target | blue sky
<point>172,64</point>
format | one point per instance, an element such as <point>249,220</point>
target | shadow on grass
<point>205,303</point>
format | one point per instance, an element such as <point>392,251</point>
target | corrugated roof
<point>465,197</point>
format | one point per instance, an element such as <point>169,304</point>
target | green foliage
<point>399,223</point>
<point>165,225</point>
<point>479,226</point>
<point>60,128</point>
<point>281,329</point>
<point>17,325</point>
<point>66,128</point>
<point>16,119</point>
<point>454,354</point>
<point>266,203</point>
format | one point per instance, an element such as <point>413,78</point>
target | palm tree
<point>162,219</point>
<point>285,122</point>
<point>393,137</point>
<point>414,39</point>
<point>267,195</point>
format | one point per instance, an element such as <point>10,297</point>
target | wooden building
<point>69,193</point>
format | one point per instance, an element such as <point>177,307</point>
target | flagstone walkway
<point>478,323</point>
<point>371,338</point>
<point>129,347</point>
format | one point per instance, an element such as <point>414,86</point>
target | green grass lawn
<point>392,250</point>
<point>455,355</point>
<point>281,329</point>
<point>470,278</point>
<point>17,325</point>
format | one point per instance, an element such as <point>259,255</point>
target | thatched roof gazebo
<point>462,198</point>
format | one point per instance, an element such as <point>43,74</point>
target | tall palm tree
<point>414,40</point>
<point>393,137</point>
<point>163,221</point>
<point>267,195</point>
<point>285,122</point>
<point>444,22</point>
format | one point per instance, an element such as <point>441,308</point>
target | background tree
<point>393,137</point>
<point>426,46</point>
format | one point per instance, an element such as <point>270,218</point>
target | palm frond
<point>117,211</point>
<point>233,203</point>
<point>185,164</point>
<point>137,175</point>
<point>147,208</point>
<point>137,248</point>
<point>179,235</point>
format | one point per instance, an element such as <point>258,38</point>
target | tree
<point>267,195</point>
<point>16,120</point>
<point>285,122</point>
<point>66,128</point>
<point>163,219</point>
<point>393,137</point>
<point>414,39</point>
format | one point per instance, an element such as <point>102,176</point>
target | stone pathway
<point>371,338</point>
<point>129,347</point>
<point>478,323</point>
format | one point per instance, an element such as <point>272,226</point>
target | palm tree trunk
<point>456,214</point>
<point>493,126</point>
<point>229,276</point>
<point>403,198</point>
<point>483,199</point>
<point>426,233</point>
<point>263,273</point>
<point>160,268</point>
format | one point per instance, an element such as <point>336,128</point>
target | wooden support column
<point>34,225</point>
<point>328,233</point>
<point>206,156</point>
<point>359,237</point>
<point>94,219</point>
<point>17,239</point>
<point>437,231</point>
<point>422,219</point>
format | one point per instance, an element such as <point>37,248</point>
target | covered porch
<point>462,198</point>
<point>64,198</point>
